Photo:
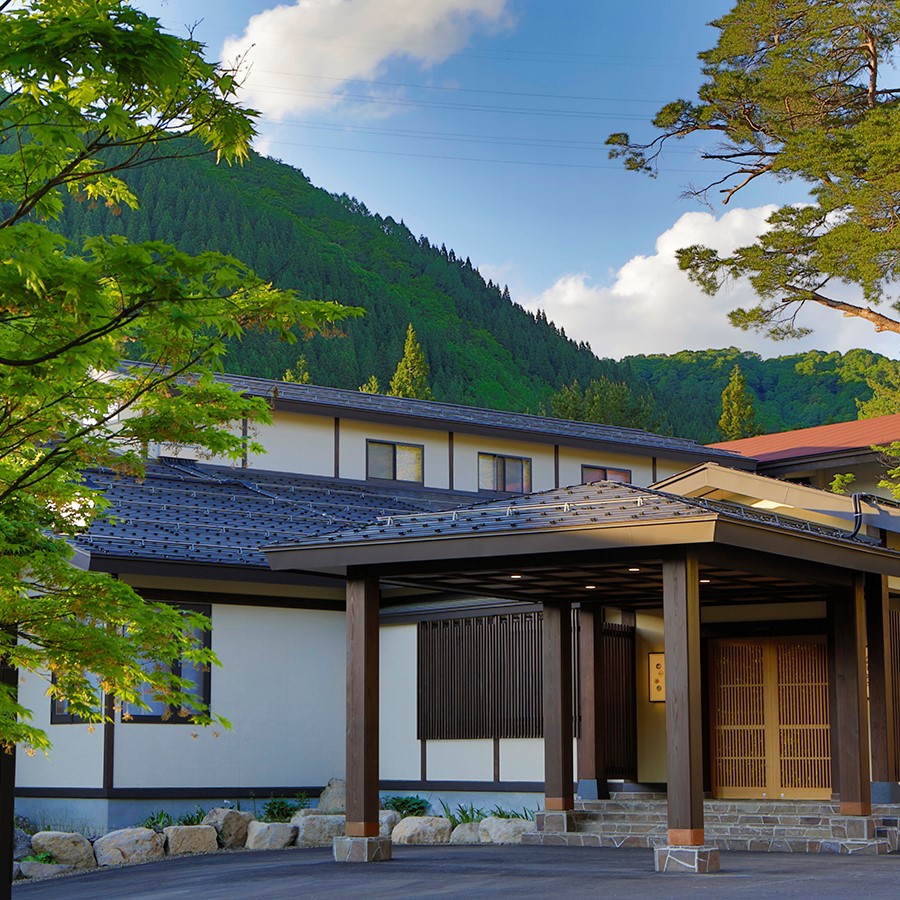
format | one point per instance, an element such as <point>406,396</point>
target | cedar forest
<point>483,349</point>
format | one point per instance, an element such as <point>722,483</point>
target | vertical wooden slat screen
<point>480,677</point>
<point>895,680</point>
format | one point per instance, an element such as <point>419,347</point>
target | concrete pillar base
<point>686,860</point>
<point>362,849</point>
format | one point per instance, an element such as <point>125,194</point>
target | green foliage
<point>95,89</point>
<point>500,812</point>
<point>39,858</point>
<point>278,809</point>
<point>192,818</point>
<point>802,91</point>
<point>298,373</point>
<point>840,483</point>
<point>411,376</point>
<point>406,806</point>
<point>738,419</point>
<point>608,403</point>
<point>370,386</point>
<point>462,813</point>
<point>158,820</point>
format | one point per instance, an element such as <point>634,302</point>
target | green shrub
<point>470,813</point>
<point>280,810</point>
<point>158,820</point>
<point>40,858</point>
<point>192,818</point>
<point>500,813</point>
<point>406,806</point>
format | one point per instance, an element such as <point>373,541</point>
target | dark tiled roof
<point>581,506</point>
<point>333,400</point>
<point>190,512</point>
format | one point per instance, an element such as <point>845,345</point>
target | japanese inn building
<point>483,606</point>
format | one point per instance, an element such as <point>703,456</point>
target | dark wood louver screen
<point>895,682</point>
<point>481,678</point>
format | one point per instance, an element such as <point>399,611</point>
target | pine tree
<point>738,419</point>
<point>411,377</point>
<point>298,373</point>
<point>371,386</point>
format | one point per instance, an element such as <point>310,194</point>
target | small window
<point>60,713</point>
<point>504,473</point>
<point>394,462</point>
<point>590,474</point>
<point>160,712</point>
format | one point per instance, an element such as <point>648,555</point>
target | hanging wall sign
<point>657,677</point>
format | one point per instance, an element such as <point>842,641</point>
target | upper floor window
<point>504,473</point>
<point>394,462</point>
<point>590,474</point>
<point>60,712</point>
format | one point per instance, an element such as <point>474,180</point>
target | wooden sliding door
<point>769,718</point>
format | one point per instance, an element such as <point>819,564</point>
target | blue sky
<point>481,124</point>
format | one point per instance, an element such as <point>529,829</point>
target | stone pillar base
<point>362,849</point>
<point>686,860</point>
<point>554,821</point>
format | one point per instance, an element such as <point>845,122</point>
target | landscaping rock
<point>190,839</point>
<point>494,830</point>
<point>422,830</point>
<point>333,798</point>
<point>129,845</point>
<point>388,820</point>
<point>466,833</point>
<point>21,844</point>
<point>42,870</point>
<point>17,872</point>
<point>230,824</point>
<point>317,831</point>
<point>66,848</point>
<point>270,835</point>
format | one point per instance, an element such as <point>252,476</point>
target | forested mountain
<point>483,348</point>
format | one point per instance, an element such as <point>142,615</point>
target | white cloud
<point>652,307</point>
<point>302,54</point>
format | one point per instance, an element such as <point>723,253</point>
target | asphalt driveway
<point>450,871</point>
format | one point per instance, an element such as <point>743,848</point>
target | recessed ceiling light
<point>515,576</point>
<point>590,587</point>
<point>704,581</point>
<point>634,569</point>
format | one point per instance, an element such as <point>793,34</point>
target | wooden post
<point>557,694</point>
<point>684,741</point>
<point>851,719</point>
<point>592,784</point>
<point>881,693</point>
<point>362,704</point>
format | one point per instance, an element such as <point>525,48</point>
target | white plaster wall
<point>466,448</point>
<point>294,442</point>
<point>435,459</point>
<point>282,685</point>
<point>666,468</point>
<point>572,459</point>
<point>76,759</point>
<point>399,750</point>
<point>522,759</point>
<point>460,760</point>
<point>651,717</point>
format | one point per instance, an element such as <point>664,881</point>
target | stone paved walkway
<point>471,872</point>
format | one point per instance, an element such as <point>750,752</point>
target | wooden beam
<point>881,693</point>
<point>848,611</point>
<point>362,704</point>
<point>557,693</point>
<point>684,737</point>
<point>592,784</point>
<point>9,678</point>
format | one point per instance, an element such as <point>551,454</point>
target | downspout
<point>857,514</point>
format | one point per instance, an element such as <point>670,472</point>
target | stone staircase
<point>795,826</point>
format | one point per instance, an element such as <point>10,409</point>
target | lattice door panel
<point>769,716</point>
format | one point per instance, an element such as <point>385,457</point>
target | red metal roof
<point>822,439</point>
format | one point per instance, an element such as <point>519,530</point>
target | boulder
<point>42,870</point>
<point>317,831</point>
<point>422,830</point>
<point>466,833</point>
<point>129,845</point>
<point>270,835</point>
<point>21,844</point>
<point>230,824</point>
<point>333,798</point>
<point>494,830</point>
<point>17,872</point>
<point>388,820</point>
<point>66,848</point>
<point>190,839</point>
